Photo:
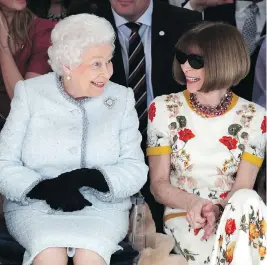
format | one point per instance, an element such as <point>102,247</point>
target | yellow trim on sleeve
<point>158,150</point>
<point>255,160</point>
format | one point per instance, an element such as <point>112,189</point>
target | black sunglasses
<point>195,61</point>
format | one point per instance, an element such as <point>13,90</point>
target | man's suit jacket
<point>168,25</point>
<point>226,13</point>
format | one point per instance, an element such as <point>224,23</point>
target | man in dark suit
<point>167,24</point>
<point>160,26</point>
<point>235,13</point>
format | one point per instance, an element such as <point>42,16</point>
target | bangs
<point>189,44</point>
<point>224,51</point>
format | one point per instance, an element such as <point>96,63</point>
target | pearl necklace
<point>208,111</point>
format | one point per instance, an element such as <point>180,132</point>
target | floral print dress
<point>205,156</point>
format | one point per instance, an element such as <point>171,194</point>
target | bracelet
<point>221,209</point>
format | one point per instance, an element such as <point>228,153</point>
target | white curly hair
<point>73,35</point>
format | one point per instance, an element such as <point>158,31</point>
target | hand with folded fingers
<point>209,213</point>
<point>85,177</point>
<point>69,202</point>
<point>194,212</point>
<point>59,195</point>
<point>44,188</point>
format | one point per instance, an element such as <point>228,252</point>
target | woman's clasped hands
<point>202,214</point>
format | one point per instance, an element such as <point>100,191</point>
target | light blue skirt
<point>93,229</point>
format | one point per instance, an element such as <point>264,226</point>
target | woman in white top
<point>205,148</point>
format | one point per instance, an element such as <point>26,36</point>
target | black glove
<point>44,188</point>
<point>70,202</point>
<point>59,195</point>
<point>92,178</point>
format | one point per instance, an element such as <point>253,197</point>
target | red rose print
<point>196,231</point>
<point>229,142</point>
<point>263,125</point>
<point>185,135</point>
<point>230,226</point>
<point>152,111</point>
<point>224,195</point>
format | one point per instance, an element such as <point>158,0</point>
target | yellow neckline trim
<point>232,105</point>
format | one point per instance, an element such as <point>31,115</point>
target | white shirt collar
<point>145,19</point>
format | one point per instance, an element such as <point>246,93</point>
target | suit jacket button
<point>161,33</point>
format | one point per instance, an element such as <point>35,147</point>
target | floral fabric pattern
<point>152,112</point>
<point>229,142</point>
<point>185,135</point>
<point>205,156</point>
<point>263,125</point>
<point>242,225</point>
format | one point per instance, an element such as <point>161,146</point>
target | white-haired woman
<point>70,155</point>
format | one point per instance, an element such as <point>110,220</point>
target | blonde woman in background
<point>24,40</point>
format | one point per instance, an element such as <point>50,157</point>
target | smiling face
<point>90,77</point>
<point>13,5</point>
<point>194,77</point>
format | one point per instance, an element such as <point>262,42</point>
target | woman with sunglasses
<point>205,148</point>
<point>24,40</point>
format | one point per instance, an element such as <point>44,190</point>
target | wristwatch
<point>221,209</point>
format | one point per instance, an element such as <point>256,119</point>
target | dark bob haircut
<point>225,53</point>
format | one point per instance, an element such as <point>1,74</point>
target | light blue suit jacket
<point>47,133</point>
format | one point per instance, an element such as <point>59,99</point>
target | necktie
<point>249,30</point>
<point>137,74</point>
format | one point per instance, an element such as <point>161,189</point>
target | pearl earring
<point>68,77</point>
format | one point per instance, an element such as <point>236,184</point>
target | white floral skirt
<point>240,237</point>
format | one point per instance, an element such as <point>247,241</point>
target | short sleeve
<point>38,61</point>
<point>158,133</point>
<point>255,148</point>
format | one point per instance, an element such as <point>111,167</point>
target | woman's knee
<point>84,257</point>
<point>245,196</point>
<point>52,256</point>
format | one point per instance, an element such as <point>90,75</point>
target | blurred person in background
<point>51,9</point>
<point>259,89</point>
<point>24,40</point>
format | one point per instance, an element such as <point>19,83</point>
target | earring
<point>68,77</point>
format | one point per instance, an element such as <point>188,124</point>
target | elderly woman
<point>70,155</point>
<point>205,148</point>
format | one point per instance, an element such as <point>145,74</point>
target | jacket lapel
<point>157,24</point>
